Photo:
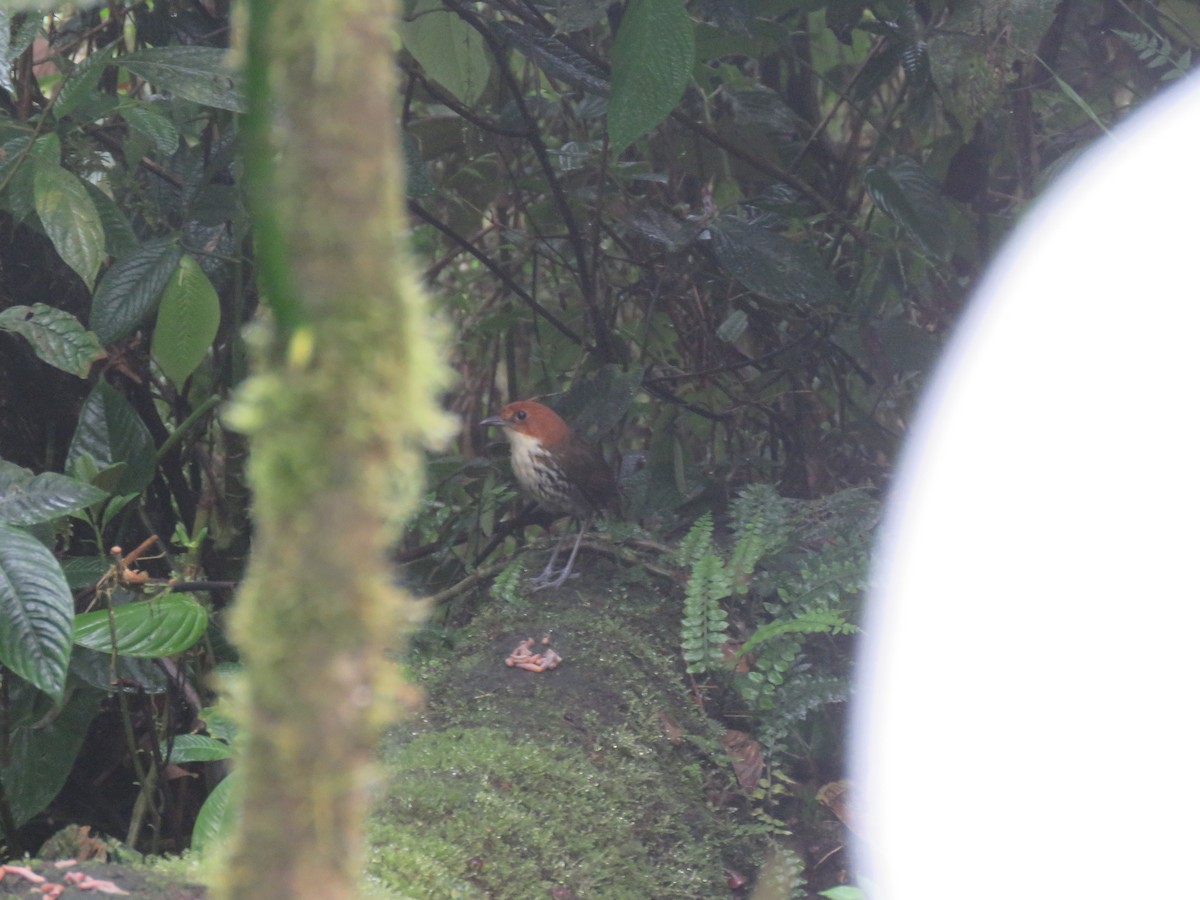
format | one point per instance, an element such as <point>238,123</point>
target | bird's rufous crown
<point>535,420</point>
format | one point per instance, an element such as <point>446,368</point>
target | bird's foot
<point>551,579</point>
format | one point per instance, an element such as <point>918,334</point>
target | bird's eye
<point>521,415</point>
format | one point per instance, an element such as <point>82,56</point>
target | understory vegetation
<point>725,239</point>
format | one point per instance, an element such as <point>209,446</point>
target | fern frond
<point>796,698</point>
<point>826,621</point>
<point>1156,52</point>
<point>507,585</point>
<point>696,542</point>
<point>705,626</point>
<point>851,515</point>
<point>825,579</point>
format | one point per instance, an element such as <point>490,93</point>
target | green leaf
<point>119,237</point>
<point>449,50</point>
<point>842,16</point>
<point>82,571</point>
<point>218,815</point>
<point>734,326</point>
<point>575,15</point>
<point>844,892</point>
<point>110,432</point>
<point>652,61</point>
<point>599,400</point>
<point>185,748</point>
<point>556,59</point>
<point>816,622</point>
<point>58,338</point>
<point>70,219</point>
<point>48,149</point>
<point>131,288</point>
<point>153,628</point>
<point>26,499</point>
<point>154,125</point>
<point>417,181</point>
<point>200,74</point>
<point>188,317</point>
<point>11,153</point>
<point>7,56</point>
<point>1074,97</point>
<point>81,81</point>
<point>218,723</point>
<point>36,607</point>
<point>41,746</point>
<point>777,267</point>
<point>906,193</point>
<point>124,674</point>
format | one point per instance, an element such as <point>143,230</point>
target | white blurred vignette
<point>1028,713</point>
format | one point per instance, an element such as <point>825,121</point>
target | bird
<point>558,469</point>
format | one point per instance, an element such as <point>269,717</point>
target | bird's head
<point>531,421</point>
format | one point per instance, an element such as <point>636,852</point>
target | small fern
<point>507,585</point>
<point>794,574</point>
<point>782,875</point>
<point>822,621</point>
<point>1157,53</point>
<point>705,626</point>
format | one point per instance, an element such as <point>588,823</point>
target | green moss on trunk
<point>337,412</point>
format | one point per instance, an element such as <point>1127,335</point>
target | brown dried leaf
<point>835,796</point>
<point>730,651</point>
<point>670,727</point>
<point>746,755</point>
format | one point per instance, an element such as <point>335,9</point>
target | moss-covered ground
<point>601,778</point>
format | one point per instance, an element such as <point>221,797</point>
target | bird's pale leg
<point>545,580</point>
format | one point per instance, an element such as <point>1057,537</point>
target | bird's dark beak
<point>493,420</point>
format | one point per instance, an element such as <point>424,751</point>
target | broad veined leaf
<point>119,237</point>
<point>188,316</point>
<point>154,125</point>
<point>81,571</point>
<point>48,149</point>
<point>218,815</point>
<point>575,15</point>
<point>82,80</point>
<point>598,401</point>
<point>36,610</point>
<point>110,432</point>
<point>450,51</point>
<point>18,167</point>
<point>7,57</point>
<point>652,61</point>
<point>217,722</point>
<point>124,673</point>
<point>58,338</point>
<point>70,219</point>
<point>200,74</point>
<point>131,287</point>
<point>556,59</point>
<point>775,266</point>
<point>147,629</point>
<point>41,746</point>
<point>909,196</point>
<point>26,499</point>
<point>187,748</point>
<point>12,153</point>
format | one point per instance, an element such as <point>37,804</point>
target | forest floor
<point>605,776</point>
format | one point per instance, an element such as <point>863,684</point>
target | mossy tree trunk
<point>344,395</point>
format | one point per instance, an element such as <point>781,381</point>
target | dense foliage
<point>727,238</point>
